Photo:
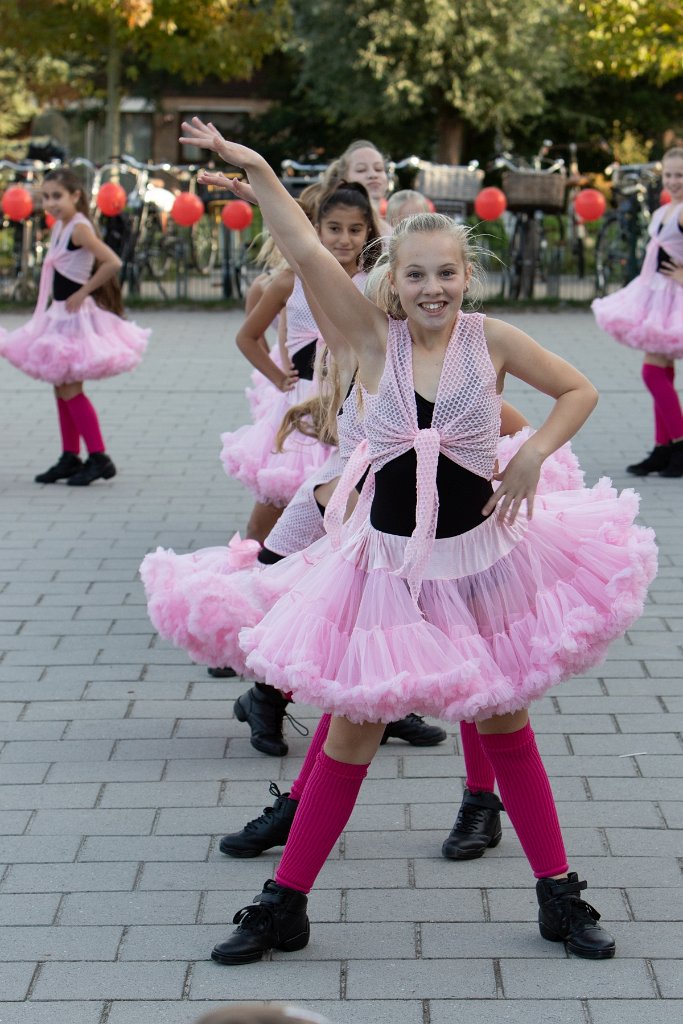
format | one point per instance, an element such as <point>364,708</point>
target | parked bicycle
<point>534,192</point>
<point>23,243</point>
<point>623,237</point>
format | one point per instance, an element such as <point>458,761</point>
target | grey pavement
<point>121,762</point>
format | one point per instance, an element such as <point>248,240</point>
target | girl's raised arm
<point>362,324</point>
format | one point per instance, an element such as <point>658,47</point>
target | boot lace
<point>471,818</point>
<point>268,812</point>
<point>256,918</point>
<point>296,724</point>
<point>573,908</point>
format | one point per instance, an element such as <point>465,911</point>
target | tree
<point>481,63</point>
<point>224,37</point>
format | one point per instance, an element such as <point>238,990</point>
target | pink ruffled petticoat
<point>504,612</point>
<point>199,601</point>
<point>262,393</point>
<point>248,454</point>
<point>63,348</point>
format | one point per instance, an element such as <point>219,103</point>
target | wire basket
<point>449,182</point>
<point>535,190</point>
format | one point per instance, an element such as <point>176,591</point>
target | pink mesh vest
<point>75,264</point>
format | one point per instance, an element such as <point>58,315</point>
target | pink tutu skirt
<point>248,454</point>
<point>504,612</point>
<point>63,348</point>
<point>647,314</point>
<point>199,601</point>
<point>262,394</point>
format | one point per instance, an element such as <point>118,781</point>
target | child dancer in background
<point>81,335</point>
<point>432,603</point>
<point>648,315</point>
<point>405,203</point>
<point>363,163</point>
<point>345,225</point>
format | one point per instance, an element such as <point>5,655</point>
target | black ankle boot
<point>67,466</point>
<point>222,673</point>
<point>674,467</point>
<point>98,466</point>
<point>263,708</point>
<point>414,730</point>
<point>655,462</point>
<point>477,827</point>
<point>564,917</point>
<point>270,829</point>
<point>278,920</point>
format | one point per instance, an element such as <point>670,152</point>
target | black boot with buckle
<point>477,827</point>
<point>414,730</point>
<point>564,917</point>
<point>263,708</point>
<point>270,829</point>
<point>276,919</point>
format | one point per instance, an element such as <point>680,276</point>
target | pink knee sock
<point>314,748</point>
<point>528,799</point>
<point>83,414</point>
<point>321,816</point>
<point>659,380</point>
<point>480,777</point>
<point>71,439</point>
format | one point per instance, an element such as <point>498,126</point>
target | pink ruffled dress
<point>648,313</point>
<point>249,455</point>
<point>459,627</point>
<point>61,347</point>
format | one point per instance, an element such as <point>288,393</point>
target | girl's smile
<point>431,278</point>
<point>344,233</point>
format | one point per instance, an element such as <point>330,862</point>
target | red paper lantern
<point>383,204</point>
<point>111,199</point>
<point>49,221</point>
<point>17,203</point>
<point>590,204</point>
<point>490,203</point>
<point>237,215</point>
<point>664,197</point>
<point>187,209</point>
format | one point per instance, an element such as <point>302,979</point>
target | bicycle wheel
<point>204,244</point>
<point>513,274</point>
<point>611,257</point>
<point>158,244</point>
<point>522,259</point>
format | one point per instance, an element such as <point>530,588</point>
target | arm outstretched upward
<point>362,324</point>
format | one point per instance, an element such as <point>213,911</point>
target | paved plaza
<point>121,763</point>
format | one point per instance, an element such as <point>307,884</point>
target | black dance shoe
<point>655,462</point>
<point>276,919</point>
<point>414,730</point>
<point>67,466</point>
<point>477,827</point>
<point>564,917</point>
<point>98,466</point>
<point>263,709</point>
<point>270,829</point>
<point>222,673</point>
<point>674,467</point>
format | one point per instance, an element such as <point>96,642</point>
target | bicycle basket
<point>448,182</point>
<point>534,190</point>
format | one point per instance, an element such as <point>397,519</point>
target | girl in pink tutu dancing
<point>431,602</point>
<point>648,314</point>
<point>79,335</point>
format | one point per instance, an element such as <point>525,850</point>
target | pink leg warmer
<point>314,748</point>
<point>320,818</point>
<point>83,414</point>
<point>528,799</point>
<point>659,380</point>
<point>480,777</point>
<point>71,439</point>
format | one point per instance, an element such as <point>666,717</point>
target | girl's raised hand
<point>207,136</point>
<point>242,189</point>
<point>518,483</point>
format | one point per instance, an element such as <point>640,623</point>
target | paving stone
<point>34,849</point>
<point>106,771</point>
<point>110,981</point>
<point>28,909</point>
<point>504,1011</point>
<point>34,797</point>
<point>139,848</point>
<point>636,1011</point>
<point>15,980</point>
<point>53,1013</point>
<point>64,750</point>
<point>421,979</point>
<point>160,794</point>
<point>57,944</point>
<point>281,980</point>
<point>576,979</point>
<point>97,822</point>
<point>130,908</point>
<point>69,877</point>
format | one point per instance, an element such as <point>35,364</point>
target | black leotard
<point>63,287</point>
<point>462,494</point>
<point>303,361</point>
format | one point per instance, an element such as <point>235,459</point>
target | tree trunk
<point>113,124</point>
<point>450,137</point>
